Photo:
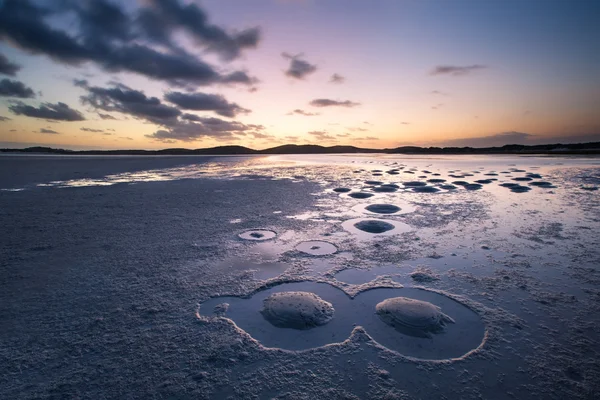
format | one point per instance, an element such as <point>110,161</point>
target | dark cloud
<point>205,102</point>
<point>129,101</point>
<point>115,41</point>
<point>298,68</point>
<point>333,103</point>
<point>2,119</point>
<point>302,112</point>
<point>10,88</point>
<point>456,70</point>
<point>8,68</point>
<point>192,127</point>
<point>91,130</point>
<point>162,17</point>
<point>322,135</point>
<point>50,131</point>
<point>337,78</point>
<point>58,111</point>
<point>106,116</point>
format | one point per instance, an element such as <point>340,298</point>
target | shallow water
<point>105,261</point>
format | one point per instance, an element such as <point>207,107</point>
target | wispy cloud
<point>302,112</point>
<point>91,130</point>
<point>322,135</point>
<point>457,70</point>
<point>48,131</point>
<point>205,102</point>
<point>337,78</point>
<point>333,103</point>
<point>298,68</point>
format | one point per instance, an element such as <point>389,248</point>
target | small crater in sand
<point>425,189</point>
<point>341,190</point>
<point>522,179</point>
<point>520,189</point>
<point>316,248</point>
<point>413,317</point>
<point>448,187</point>
<point>382,208</point>
<point>373,182</point>
<point>385,189</point>
<point>436,180</point>
<point>542,184</point>
<point>297,310</point>
<point>473,186</point>
<point>484,181</point>
<point>368,228</point>
<point>257,234</point>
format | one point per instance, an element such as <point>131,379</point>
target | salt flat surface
<point>141,277</point>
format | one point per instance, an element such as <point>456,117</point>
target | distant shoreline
<point>591,148</point>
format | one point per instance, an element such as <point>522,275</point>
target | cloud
<point>358,129</point>
<point>59,111</point>
<point>163,16</point>
<point>298,68</point>
<point>192,127</point>
<point>128,101</point>
<point>7,67</point>
<point>49,131</point>
<point>105,35</point>
<point>333,103</point>
<point>366,138</point>
<point>337,78</point>
<point>205,102</point>
<point>322,135</point>
<point>437,106</point>
<point>10,88</point>
<point>438,93</point>
<point>302,112</point>
<point>343,134</point>
<point>456,70</point>
<point>405,123</point>
<point>91,130</point>
<point>2,119</point>
<point>106,116</point>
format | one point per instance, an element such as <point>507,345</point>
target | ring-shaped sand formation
<point>360,195</point>
<point>300,316</point>
<point>382,208</point>
<point>368,228</point>
<point>257,234</point>
<point>316,248</point>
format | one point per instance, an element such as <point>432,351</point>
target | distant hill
<point>558,148</point>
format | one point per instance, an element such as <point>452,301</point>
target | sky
<point>152,74</point>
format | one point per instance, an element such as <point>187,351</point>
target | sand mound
<point>414,317</point>
<point>374,226</point>
<point>257,234</point>
<point>382,208</point>
<point>316,248</point>
<point>297,310</point>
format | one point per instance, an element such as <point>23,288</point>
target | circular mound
<point>316,248</point>
<point>414,184</point>
<point>341,190</point>
<point>425,189</point>
<point>257,234</point>
<point>382,208</point>
<point>360,195</point>
<point>413,317</point>
<point>374,226</point>
<point>296,310</point>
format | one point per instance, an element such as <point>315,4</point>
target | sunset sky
<point>150,74</point>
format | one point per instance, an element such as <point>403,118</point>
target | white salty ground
<point>103,268</point>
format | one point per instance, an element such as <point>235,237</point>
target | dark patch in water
<point>341,190</point>
<point>373,182</point>
<point>360,195</point>
<point>436,180</point>
<point>522,179</point>
<point>382,208</point>
<point>448,187</point>
<point>414,184</point>
<point>473,186</point>
<point>425,189</point>
<point>484,181</point>
<point>385,189</point>
<point>373,226</point>
<point>520,189</point>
